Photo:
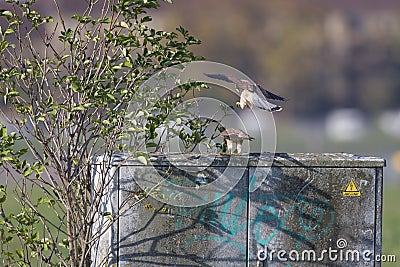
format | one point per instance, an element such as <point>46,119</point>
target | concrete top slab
<point>326,160</point>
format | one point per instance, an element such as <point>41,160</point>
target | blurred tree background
<point>321,54</point>
<point>337,61</point>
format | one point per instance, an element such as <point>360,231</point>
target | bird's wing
<point>245,85</point>
<point>222,77</point>
<point>231,133</point>
<point>261,103</point>
<point>224,134</point>
<point>269,94</point>
<point>244,135</point>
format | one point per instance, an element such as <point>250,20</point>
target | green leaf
<point>64,243</point>
<point>9,31</point>
<point>112,97</point>
<point>151,144</point>
<point>52,112</point>
<point>124,24</point>
<point>65,56</point>
<point>139,114</point>
<point>6,13</point>
<point>34,236</point>
<point>128,64</point>
<point>78,108</point>
<point>12,93</point>
<point>146,19</point>
<point>75,86</point>
<point>28,171</point>
<point>19,253</point>
<point>50,100</point>
<point>142,160</point>
<point>3,198</point>
<point>105,20</point>
<point>129,115</point>
<point>3,45</point>
<point>3,132</point>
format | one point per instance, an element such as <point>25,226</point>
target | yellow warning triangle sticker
<point>351,189</point>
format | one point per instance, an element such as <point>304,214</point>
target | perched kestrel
<point>250,95</point>
<point>235,136</point>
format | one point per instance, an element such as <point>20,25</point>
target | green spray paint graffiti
<point>234,219</point>
<point>315,218</point>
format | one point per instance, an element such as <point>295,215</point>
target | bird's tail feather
<point>276,108</point>
<point>272,107</point>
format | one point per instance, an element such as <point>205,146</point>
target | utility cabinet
<point>300,209</point>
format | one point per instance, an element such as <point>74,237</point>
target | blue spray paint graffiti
<point>231,216</point>
<point>226,218</point>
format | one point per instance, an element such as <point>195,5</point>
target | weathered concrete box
<point>303,210</point>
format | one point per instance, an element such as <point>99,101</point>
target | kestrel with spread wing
<point>235,136</point>
<point>250,93</point>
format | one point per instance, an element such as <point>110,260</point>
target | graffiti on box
<point>232,220</point>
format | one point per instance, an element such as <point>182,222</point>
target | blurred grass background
<point>391,218</point>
